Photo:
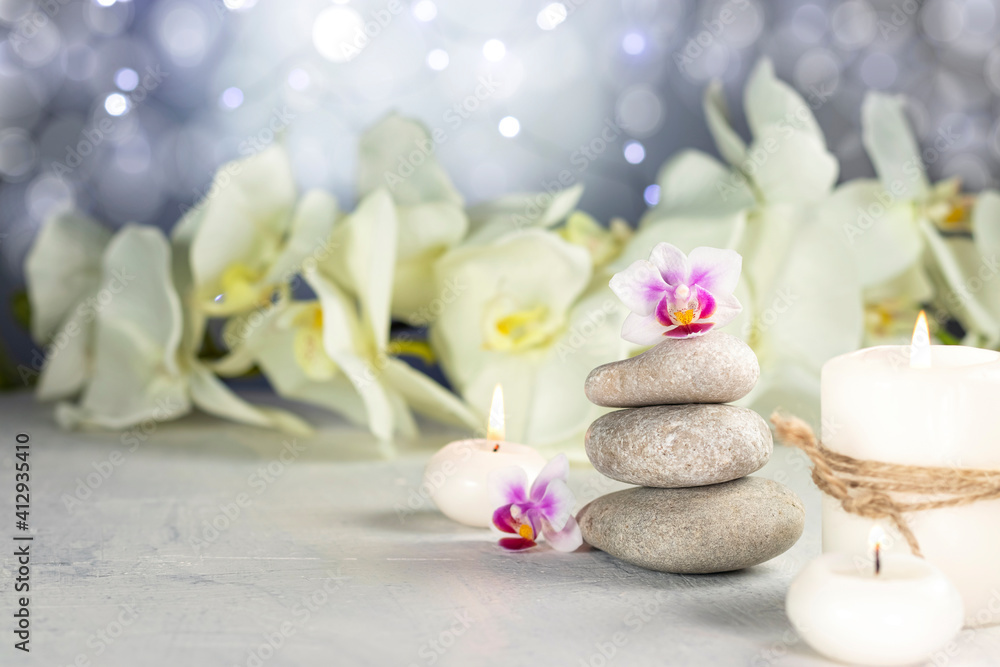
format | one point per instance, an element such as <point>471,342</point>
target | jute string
<point>878,490</point>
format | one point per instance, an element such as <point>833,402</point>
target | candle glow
<point>495,431</point>
<point>920,345</point>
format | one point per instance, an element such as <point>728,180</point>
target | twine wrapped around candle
<point>872,489</point>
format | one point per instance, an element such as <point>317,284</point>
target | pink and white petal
<point>642,330</point>
<point>716,269</point>
<point>663,313</point>
<point>639,286</point>
<point>557,505</point>
<point>566,540</point>
<point>503,520</point>
<point>516,543</point>
<point>557,468</point>
<point>671,262</point>
<point>706,303</point>
<point>690,330</point>
<point>507,486</point>
<point>727,307</point>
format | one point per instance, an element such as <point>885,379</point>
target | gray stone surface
<point>675,446</point>
<point>714,368</point>
<point>706,529</point>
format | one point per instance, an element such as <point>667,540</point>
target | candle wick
<point>878,561</point>
<point>496,447</point>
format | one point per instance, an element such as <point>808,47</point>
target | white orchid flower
<point>337,354</point>
<point>802,302</point>
<point>142,367</point>
<point>524,317</point>
<point>903,229</point>
<point>63,276</point>
<point>397,155</point>
<point>251,234</point>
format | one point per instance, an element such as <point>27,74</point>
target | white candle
<point>930,406</point>
<point>457,474</point>
<point>845,611</point>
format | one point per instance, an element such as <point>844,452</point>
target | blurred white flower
<point>63,276</point>
<point>251,234</point>
<point>397,155</point>
<point>525,316</point>
<point>335,352</point>
<point>911,237</point>
<point>143,368</point>
<point>802,302</point>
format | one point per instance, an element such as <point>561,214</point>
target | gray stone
<point>705,529</point>
<point>714,368</point>
<point>675,446</point>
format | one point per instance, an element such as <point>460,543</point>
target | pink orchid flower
<point>546,509</point>
<point>674,295</point>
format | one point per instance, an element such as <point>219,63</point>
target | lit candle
<point>929,406</point>
<point>457,475</point>
<point>895,609</point>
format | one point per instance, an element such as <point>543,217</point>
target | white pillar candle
<point>457,475</point>
<point>841,608</point>
<point>928,406</point>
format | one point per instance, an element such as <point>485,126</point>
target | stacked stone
<point>697,511</point>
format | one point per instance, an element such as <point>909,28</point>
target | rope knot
<point>879,490</point>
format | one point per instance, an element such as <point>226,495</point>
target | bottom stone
<point>698,530</point>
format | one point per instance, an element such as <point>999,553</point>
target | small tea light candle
<point>457,475</point>
<point>895,611</point>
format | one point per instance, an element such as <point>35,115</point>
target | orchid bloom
<point>546,509</point>
<point>676,296</point>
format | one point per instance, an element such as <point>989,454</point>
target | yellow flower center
<point>519,330</point>
<point>411,348</point>
<point>307,345</point>
<point>239,288</point>
<point>956,215</point>
<point>526,532</point>
<point>684,317</point>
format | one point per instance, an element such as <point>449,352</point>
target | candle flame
<point>920,346</point>
<point>495,431</point>
<point>875,539</point>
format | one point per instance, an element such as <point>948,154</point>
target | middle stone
<point>675,446</point>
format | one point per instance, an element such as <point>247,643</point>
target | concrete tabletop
<point>203,543</point>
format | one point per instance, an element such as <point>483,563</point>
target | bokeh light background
<point>125,108</point>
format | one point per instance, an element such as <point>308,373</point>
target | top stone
<point>714,368</point>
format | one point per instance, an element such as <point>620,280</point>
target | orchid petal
<point>706,303</point>
<point>695,184</point>
<point>892,147</point>
<point>61,269</point>
<point>640,287</point>
<point>642,330</point>
<point>885,239</point>
<point>516,543</point>
<point>727,307</point>
<point>508,486</point>
<point>504,521</point>
<point>557,468</point>
<point>556,506</point>
<point>770,102</point>
<point>798,168</point>
<point>209,394</point>
<point>384,161</point>
<point>428,397</point>
<point>715,269</point>
<point>244,210</point>
<point>690,330</point>
<point>731,146</point>
<point>986,225</point>
<point>65,370</point>
<point>663,313</point>
<point>671,262</point>
<point>567,539</point>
